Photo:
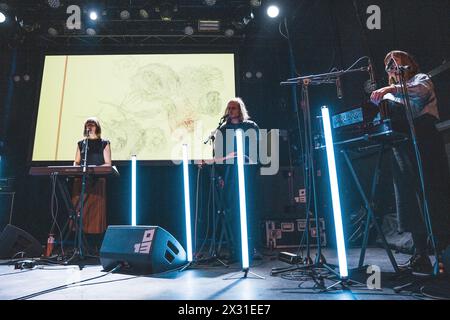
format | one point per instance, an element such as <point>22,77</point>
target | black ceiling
<point>35,18</point>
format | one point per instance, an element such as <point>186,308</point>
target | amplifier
<point>290,233</point>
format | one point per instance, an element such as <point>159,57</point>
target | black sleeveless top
<point>94,152</point>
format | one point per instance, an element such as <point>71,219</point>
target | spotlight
<point>125,15</point>
<point>259,74</point>
<point>188,30</point>
<point>144,14</point>
<point>55,4</point>
<point>52,31</point>
<point>91,31</point>
<point>248,74</point>
<point>273,11</point>
<point>16,78</point>
<point>255,3</point>
<point>229,32</point>
<point>210,2</point>
<point>2,17</point>
<point>26,77</point>
<point>93,15</point>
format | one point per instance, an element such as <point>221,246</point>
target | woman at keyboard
<point>432,151</point>
<point>99,154</point>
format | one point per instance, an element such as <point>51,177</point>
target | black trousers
<point>437,184</point>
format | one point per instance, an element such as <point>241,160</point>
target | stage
<point>208,282</point>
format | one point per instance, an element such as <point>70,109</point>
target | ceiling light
<point>93,15</point>
<point>52,31</point>
<point>273,11</point>
<point>144,13</point>
<point>125,15</point>
<point>188,30</point>
<point>54,3</point>
<point>91,31</point>
<point>229,32</point>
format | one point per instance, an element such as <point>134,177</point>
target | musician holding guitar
<point>99,154</point>
<point>432,151</point>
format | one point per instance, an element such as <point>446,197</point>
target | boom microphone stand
<point>306,81</point>
<point>217,208</point>
<point>409,116</point>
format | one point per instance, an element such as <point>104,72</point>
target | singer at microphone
<point>237,117</point>
<point>92,150</point>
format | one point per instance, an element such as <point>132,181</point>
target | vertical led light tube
<point>343,271</point>
<point>242,199</point>
<point>187,203</point>
<point>133,190</point>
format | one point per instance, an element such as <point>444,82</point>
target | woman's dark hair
<point>98,128</point>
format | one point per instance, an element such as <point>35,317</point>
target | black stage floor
<point>214,282</point>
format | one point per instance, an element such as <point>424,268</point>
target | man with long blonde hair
<point>236,117</point>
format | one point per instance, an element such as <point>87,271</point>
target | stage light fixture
<point>187,203</point>
<point>2,17</point>
<point>133,189</point>
<point>26,77</point>
<point>340,241</point>
<point>144,14</point>
<point>210,2</point>
<point>208,25</point>
<point>248,75</point>
<point>55,4</point>
<point>229,32</point>
<point>93,15</point>
<point>52,31</point>
<point>255,3</point>
<point>16,78</point>
<point>188,30</point>
<point>125,15</point>
<point>273,11</point>
<point>91,31</point>
<point>259,74</point>
<point>242,199</point>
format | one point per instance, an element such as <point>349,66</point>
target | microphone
<point>224,118</point>
<point>87,132</point>
<point>389,65</point>
<point>370,85</point>
<point>339,88</point>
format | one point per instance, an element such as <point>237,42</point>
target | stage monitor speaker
<point>141,250</point>
<point>15,242</point>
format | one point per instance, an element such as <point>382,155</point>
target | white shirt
<point>421,95</point>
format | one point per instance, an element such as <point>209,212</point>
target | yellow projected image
<point>148,105</point>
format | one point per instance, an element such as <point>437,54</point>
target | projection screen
<point>148,105</point>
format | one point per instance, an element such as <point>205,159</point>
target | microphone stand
<point>409,116</point>
<point>306,81</point>
<point>213,252</point>
<point>79,231</point>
